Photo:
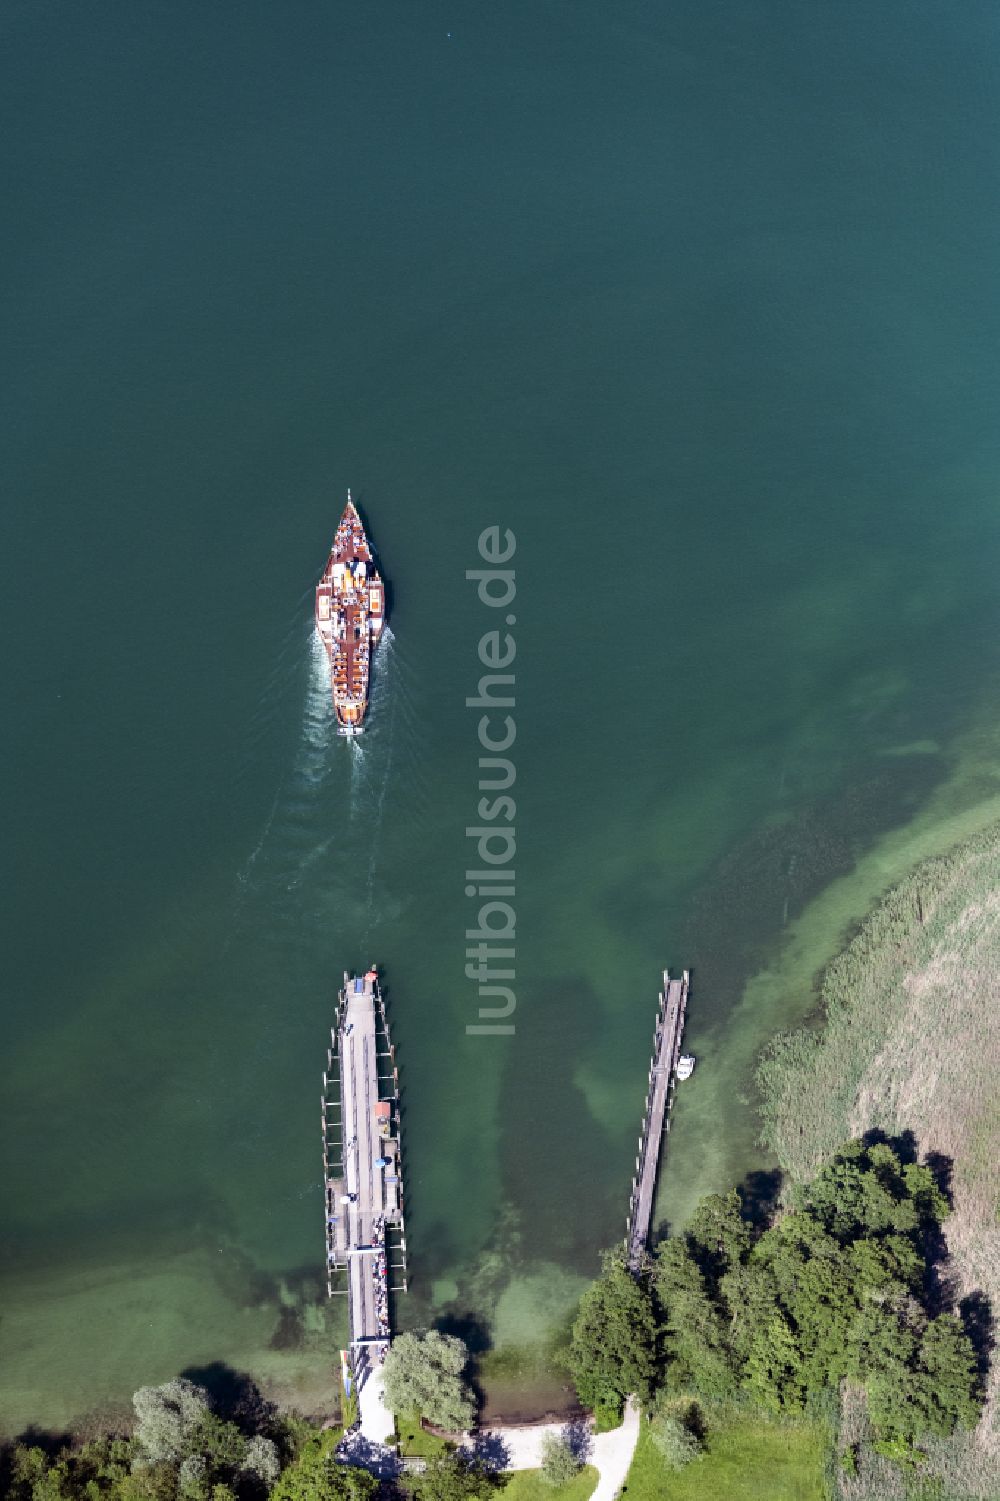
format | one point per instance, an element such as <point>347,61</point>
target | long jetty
<point>365,1230</point>
<point>659,1097</point>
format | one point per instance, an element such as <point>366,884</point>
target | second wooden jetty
<point>659,1096</point>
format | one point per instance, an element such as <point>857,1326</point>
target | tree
<point>423,1373</point>
<point>316,1475</point>
<point>221,1445</point>
<point>455,1477</point>
<point>100,1466</point>
<point>262,1461</point>
<point>167,1418</point>
<point>718,1237</point>
<point>93,1472</point>
<point>291,1434</point>
<point>612,1352</point>
<point>696,1341</point>
<point>559,1462</point>
<point>949,1361</point>
<point>749,1298</point>
<point>836,1288</point>
<point>192,1479</point>
<point>33,1477</point>
<point>806,1277</point>
<point>774,1367</point>
<point>867,1191</point>
<point>156,1482</point>
<point>919,1383</point>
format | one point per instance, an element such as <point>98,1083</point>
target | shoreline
<point>298,1377</point>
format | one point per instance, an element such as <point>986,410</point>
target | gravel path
<point>612,1454</point>
<point>609,1453</point>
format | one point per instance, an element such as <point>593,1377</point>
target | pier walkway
<point>365,1232</point>
<point>659,1097</point>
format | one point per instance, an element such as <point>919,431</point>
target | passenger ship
<point>350,614</point>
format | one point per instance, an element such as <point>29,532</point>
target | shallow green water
<point>701,305</point>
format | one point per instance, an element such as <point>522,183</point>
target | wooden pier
<point>659,1097</point>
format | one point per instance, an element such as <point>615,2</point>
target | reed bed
<point>907,1043</point>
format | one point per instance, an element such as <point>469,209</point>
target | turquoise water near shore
<point>701,306</point>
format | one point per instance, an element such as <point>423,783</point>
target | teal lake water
<point>700,301</point>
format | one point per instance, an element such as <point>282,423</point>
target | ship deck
<point>348,635</point>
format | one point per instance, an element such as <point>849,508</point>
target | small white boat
<point>685,1066</point>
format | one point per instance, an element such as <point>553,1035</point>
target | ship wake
<point>316,862</point>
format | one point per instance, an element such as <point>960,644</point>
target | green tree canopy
<point>718,1237</point>
<point>455,1477</point>
<point>316,1475</point>
<point>33,1477</point>
<point>835,1288</point>
<point>220,1443</point>
<point>423,1373</point>
<point>98,1471</point>
<point>696,1342</point>
<point>261,1460</point>
<point>167,1419</point>
<point>868,1191</point>
<point>150,1483</point>
<point>613,1349</point>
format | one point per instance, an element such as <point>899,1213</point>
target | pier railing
<point>388,1089</point>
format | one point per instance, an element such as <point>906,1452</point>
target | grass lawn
<point>746,1460</point>
<point>528,1485</point>
<point>414,1440</point>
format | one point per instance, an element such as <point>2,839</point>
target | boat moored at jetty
<point>350,614</point>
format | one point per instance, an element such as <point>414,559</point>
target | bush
<point>262,1461</point>
<point>559,1463</point>
<point>608,1416</point>
<point>454,1477</point>
<point>192,1478</point>
<point>677,1445</point>
<point>167,1419</point>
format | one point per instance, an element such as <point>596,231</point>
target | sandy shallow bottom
<point>115,1328</point>
<point>120,1327</point>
